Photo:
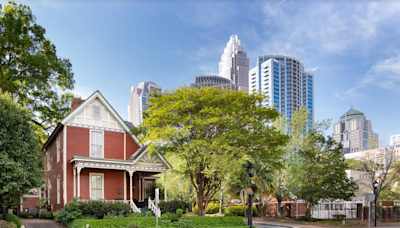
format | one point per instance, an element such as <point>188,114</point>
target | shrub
<point>339,217</point>
<point>119,198</point>
<point>100,209</point>
<point>179,212</point>
<point>307,219</point>
<point>136,214</point>
<point>5,224</point>
<point>47,215</point>
<point>26,215</point>
<point>172,206</point>
<point>185,216</point>
<point>229,215</point>
<point>165,216</point>
<point>110,215</point>
<point>13,218</point>
<point>239,210</point>
<point>149,213</point>
<point>134,224</point>
<point>212,208</point>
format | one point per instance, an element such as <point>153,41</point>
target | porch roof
<point>116,164</point>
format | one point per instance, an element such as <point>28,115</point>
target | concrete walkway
<point>41,223</point>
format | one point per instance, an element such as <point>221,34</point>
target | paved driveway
<point>41,223</point>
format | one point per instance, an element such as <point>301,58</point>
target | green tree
<point>321,174</point>
<point>20,157</point>
<point>213,131</point>
<point>283,178</point>
<point>30,69</point>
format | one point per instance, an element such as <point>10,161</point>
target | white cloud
<point>210,69</point>
<point>312,69</point>
<point>385,74</point>
<point>82,91</point>
<point>327,26</point>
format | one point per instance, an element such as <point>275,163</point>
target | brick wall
<point>131,146</point>
<point>56,168</point>
<point>30,203</point>
<point>113,145</point>
<point>113,179</point>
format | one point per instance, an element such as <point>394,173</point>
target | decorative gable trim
<point>89,100</point>
<point>138,155</point>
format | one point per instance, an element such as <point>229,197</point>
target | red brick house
<point>92,155</point>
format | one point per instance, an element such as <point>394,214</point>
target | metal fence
<point>327,210</point>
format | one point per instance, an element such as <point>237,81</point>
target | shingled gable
<point>99,96</point>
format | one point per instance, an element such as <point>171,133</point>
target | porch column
<point>78,170</point>
<point>131,183</point>
<point>165,185</point>
<point>74,182</point>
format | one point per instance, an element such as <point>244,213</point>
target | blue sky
<point>352,47</point>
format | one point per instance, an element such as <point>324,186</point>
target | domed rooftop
<point>352,114</point>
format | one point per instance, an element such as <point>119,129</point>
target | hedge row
<point>212,208</point>
<point>239,210</point>
<point>147,222</point>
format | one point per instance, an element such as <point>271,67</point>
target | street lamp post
<point>376,193</point>
<point>250,169</point>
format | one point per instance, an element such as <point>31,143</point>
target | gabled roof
<point>142,151</point>
<point>91,98</point>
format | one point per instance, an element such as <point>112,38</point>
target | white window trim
<point>90,143</point>
<point>93,107</point>
<point>90,184</point>
<point>58,189</point>
<point>58,143</point>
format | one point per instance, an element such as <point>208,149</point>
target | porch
<point>115,180</point>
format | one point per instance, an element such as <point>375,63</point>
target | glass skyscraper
<point>287,84</point>
<point>234,64</point>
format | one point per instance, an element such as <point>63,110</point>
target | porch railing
<point>153,208</point>
<point>106,201</point>
<point>134,207</point>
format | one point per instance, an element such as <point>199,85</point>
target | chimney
<point>75,103</point>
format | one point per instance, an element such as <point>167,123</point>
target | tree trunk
<point>308,209</point>
<point>200,203</point>
<point>220,201</point>
<point>278,208</point>
<point>19,210</point>
<point>4,211</point>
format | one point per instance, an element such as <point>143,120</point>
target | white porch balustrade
<point>153,208</point>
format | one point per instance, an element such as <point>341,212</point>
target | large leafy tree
<point>297,129</point>
<point>321,175</point>
<point>30,68</point>
<point>213,131</point>
<point>20,157</point>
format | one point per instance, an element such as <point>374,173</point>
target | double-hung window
<point>96,149</point>
<point>58,148</point>
<point>58,189</point>
<point>96,186</point>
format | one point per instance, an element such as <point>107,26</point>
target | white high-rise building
<point>287,84</point>
<point>139,101</point>
<point>394,140</point>
<point>355,133</point>
<point>234,64</point>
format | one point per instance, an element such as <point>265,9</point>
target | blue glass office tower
<point>287,85</point>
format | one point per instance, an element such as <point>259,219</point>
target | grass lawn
<point>145,222</point>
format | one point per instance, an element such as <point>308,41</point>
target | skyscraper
<point>354,132</point>
<point>139,101</point>
<point>234,64</point>
<point>213,80</point>
<point>287,84</point>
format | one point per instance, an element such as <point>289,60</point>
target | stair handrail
<point>134,207</point>
<point>153,208</point>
